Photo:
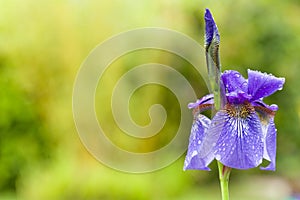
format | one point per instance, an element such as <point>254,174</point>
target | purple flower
<point>242,133</point>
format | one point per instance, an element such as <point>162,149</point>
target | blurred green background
<point>42,45</point>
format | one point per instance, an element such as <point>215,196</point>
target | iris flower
<point>243,132</point>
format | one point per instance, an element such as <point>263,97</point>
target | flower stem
<point>224,173</point>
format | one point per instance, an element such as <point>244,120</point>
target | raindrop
<point>194,153</point>
<point>199,142</point>
<point>218,157</point>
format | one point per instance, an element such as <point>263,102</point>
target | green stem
<point>224,173</point>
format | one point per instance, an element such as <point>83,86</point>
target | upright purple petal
<point>193,160</point>
<point>240,144</point>
<point>237,97</point>
<point>211,30</point>
<point>234,81</point>
<point>262,84</point>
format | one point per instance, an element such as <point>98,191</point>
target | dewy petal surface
<point>193,159</point>
<point>234,81</point>
<point>213,133</point>
<point>262,84</point>
<point>240,144</point>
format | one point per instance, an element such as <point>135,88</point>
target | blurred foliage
<point>43,43</point>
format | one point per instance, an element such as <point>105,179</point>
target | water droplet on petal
<point>194,153</point>
<point>199,142</point>
<point>218,157</point>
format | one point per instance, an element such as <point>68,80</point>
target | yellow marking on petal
<point>239,110</point>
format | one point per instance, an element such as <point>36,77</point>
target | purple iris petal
<point>211,30</point>
<point>234,81</point>
<point>198,131</point>
<point>207,99</point>
<point>270,145</point>
<point>262,84</point>
<point>212,135</point>
<point>237,97</point>
<point>266,114</point>
<point>240,144</point>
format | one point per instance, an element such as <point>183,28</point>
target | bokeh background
<point>42,45</point>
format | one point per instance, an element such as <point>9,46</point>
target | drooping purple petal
<point>266,115</point>
<point>212,136</point>
<point>240,144</point>
<point>262,84</point>
<point>234,81</point>
<point>193,160</point>
<point>207,99</point>
<point>211,30</point>
<point>270,145</point>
